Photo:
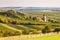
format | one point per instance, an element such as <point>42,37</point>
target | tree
<point>56,30</point>
<point>34,18</point>
<point>46,30</point>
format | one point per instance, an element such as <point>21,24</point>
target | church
<point>43,19</point>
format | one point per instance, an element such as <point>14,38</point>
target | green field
<point>13,23</point>
<point>8,27</point>
<point>55,37</point>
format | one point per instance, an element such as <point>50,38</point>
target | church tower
<point>44,18</point>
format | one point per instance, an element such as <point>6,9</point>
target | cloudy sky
<point>30,3</point>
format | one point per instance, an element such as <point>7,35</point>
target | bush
<point>6,34</point>
<point>34,31</point>
<point>26,31</point>
<point>56,30</point>
<point>46,30</point>
<point>18,32</point>
<point>13,22</point>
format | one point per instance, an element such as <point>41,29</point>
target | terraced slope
<point>8,27</point>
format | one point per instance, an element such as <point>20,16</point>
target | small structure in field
<point>43,19</point>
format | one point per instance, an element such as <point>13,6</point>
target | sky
<point>29,3</point>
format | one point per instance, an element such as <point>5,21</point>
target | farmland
<point>16,24</point>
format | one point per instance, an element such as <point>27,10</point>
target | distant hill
<point>11,13</point>
<point>30,9</point>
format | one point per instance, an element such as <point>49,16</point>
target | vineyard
<point>14,23</point>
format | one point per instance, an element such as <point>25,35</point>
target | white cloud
<point>27,3</point>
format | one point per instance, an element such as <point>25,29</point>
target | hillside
<point>8,17</point>
<point>11,13</point>
<point>15,23</point>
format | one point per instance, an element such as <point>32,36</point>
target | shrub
<point>56,30</point>
<point>34,31</point>
<point>18,32</point>
<point>46,30</point>
<point>13,22</point>
<point>26,31</point>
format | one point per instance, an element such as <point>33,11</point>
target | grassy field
<point>55,37</point>
<point>51,37</point>
<point>50,15</point>
<point>15,23</point>
<point>7,26</point>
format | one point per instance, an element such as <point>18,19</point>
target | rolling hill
<point>13,22</point>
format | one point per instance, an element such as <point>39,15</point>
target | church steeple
<point>44,18</point>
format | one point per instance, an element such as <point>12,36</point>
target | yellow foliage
<point>40,20</point>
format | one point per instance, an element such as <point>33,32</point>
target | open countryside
<point>29,25</point>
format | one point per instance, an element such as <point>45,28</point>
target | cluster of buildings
<point>43,19</point>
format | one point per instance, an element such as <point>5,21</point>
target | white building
<point>44,18</point>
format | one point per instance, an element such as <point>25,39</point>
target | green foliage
<point>26,31</point>
<point>11,19</point>
<point>34,18</point>
<point>6,33</point>
<point>53,20</point>
<point>34,31</point>
<point>46,30</point>
<point>56,30</point>
<point>18,33</point>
